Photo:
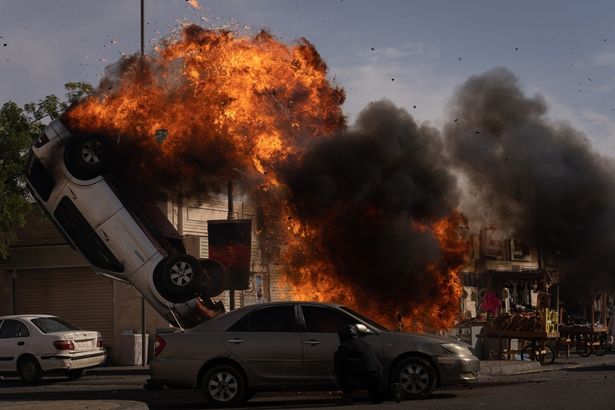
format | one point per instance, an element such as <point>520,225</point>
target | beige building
<point>45,275</point>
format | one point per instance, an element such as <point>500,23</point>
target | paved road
<point>591,386</point>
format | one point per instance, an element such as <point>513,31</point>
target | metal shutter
<point>76,294</point>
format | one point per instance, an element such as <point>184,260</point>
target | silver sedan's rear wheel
<point>416,377</point>
<point>224,386</point>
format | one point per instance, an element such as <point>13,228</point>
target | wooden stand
<point>538,339</point>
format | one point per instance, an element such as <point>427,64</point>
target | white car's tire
<point>214,279</point>
<point>87,157</point>
<point>75,374</point>
<point>180,275</point>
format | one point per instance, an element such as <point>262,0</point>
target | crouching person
<point>357,367</point>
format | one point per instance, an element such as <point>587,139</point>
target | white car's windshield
<point>53,324</point>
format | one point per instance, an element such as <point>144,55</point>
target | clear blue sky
<point>564,50</point>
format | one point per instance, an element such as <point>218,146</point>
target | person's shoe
<point>397,392</point>
<point>345,401</point>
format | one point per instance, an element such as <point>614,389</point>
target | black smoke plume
<point>369,190</point>
<point>540,179</point>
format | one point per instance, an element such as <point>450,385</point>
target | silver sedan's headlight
<point>457,349</point>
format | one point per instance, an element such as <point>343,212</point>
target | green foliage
<point>19,127</point>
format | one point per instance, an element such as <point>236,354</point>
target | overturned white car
<point>128,241</point>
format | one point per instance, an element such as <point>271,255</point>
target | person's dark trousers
<point>374,384</point>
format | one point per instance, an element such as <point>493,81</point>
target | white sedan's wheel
<point>29,370</point>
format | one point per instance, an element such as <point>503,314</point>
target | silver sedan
<point>290,345</point>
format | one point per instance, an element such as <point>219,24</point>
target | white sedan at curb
<point>31,345</point>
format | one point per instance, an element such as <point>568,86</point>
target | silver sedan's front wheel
<point>416,377</point>
<point>224,386</point>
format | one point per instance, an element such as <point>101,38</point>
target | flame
<point>316,279</point>
<point>209,105</point>
<point>194,4</point>
<point>250,100</point>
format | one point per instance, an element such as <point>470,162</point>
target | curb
<point>508,367</point>
<point>118,370</point>
<point>75,405</point>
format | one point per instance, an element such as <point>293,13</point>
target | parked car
<point>124,240</point>
<point>31,345</point>
<point>290,345</point>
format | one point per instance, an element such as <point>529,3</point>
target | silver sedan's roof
<point>223,322</point>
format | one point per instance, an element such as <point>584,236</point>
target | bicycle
<point>545,354</point>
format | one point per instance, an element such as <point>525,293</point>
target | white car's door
<point>96,202</point>
<point>14,341</point>
<point>125,238</point>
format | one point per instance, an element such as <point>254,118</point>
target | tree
<point>19,127</point>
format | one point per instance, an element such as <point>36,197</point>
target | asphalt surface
<point>575,383</point>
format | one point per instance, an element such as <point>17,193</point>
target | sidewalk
<point>74,405</point>
<point>118,370</point>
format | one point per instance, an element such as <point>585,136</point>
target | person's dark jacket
<point>355,360</point>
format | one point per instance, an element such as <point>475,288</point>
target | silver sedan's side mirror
<point>363,330</point>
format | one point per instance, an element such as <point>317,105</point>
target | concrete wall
<point>6,292</point>
<point>127,316</point>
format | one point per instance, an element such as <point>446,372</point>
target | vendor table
<point>538,341</point>
<point>586,339</point>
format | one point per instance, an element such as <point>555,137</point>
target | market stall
<point>520,317</point>
<point>589,334</point>
<point>525,334</point>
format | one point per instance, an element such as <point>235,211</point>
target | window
<point>325,320</point>
<point>86,239</point>
<point>365,319</point>
<point>269,319</point>
<point>40,179</point>
<point>13,328</point>
<point>53,324</point>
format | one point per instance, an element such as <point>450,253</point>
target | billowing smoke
<point>372,195</point>
<point>540,179</point>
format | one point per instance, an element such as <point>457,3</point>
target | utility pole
<point>143,318</point>
<point>231,210</point>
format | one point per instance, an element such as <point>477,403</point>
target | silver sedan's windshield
<point>365,319</point>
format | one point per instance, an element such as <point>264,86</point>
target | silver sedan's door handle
<point>312,342</point>
<point>235,341</point>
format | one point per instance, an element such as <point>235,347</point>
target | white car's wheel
<point>224,386</point>
<point>87,157</point>
<point>180,275</point>
<point>416,377</point>
<point>214,278</point>
<point>29,370</point>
